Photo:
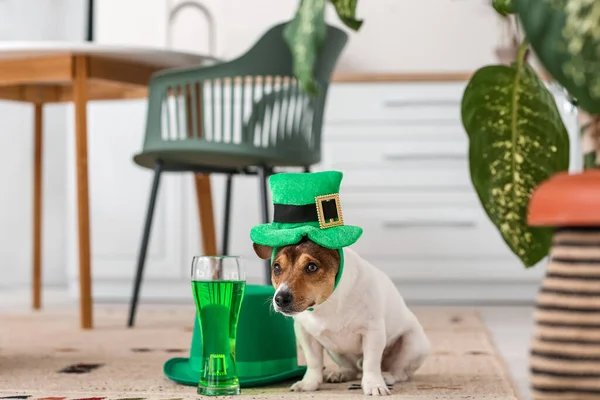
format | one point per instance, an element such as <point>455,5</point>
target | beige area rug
<point>34,347</point>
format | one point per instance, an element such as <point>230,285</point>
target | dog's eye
<point>312,267</point>
<point>276,269</point>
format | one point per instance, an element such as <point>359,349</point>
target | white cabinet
<point>403,152</point>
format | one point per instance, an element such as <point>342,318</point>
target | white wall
<point>397,36</point>
<point>34,20</point>
<point>422,36</point>
<point>16,175</point>
<point>42,20</point>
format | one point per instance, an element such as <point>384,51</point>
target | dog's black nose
<point>283,299</point>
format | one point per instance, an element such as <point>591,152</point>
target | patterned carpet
<point>44,355</point>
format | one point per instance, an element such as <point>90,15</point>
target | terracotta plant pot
<point>565,350</point>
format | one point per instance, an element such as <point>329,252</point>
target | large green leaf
<point>565,35</point>
<point>305,35</point>
<point>516,140</point>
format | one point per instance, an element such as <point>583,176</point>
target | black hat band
<point>292,214</point>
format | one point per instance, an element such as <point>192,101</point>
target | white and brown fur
<point>364,324</point>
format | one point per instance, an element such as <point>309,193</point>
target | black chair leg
<point>264,208</point>
<point>144,246</point>
<point>226,215</point>
<point>307,169</point>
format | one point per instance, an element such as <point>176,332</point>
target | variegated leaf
<point>305,35</point>
<point>346,11</point>
<point>565,35</point>
<point>516,140</point>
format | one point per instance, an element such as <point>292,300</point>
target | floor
<point>510,327</point>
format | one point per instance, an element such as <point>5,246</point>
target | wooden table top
<point>42,71</point>
<point>155,56</point>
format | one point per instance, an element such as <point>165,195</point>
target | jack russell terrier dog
<point>357,316</point>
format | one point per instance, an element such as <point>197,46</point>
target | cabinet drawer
<point>455,178</point>
<point>425,232</point>
<point>417,198</point>
<point>385,132</point>
<point>397,154</point>
<point>454,270</point>
<point>402,101</point>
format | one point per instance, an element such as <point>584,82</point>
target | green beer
<point>218,304</point>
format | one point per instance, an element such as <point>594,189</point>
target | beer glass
<point>218,284</point>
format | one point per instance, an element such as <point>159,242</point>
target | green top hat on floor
<point>306,205</point>
<point>266,351</point>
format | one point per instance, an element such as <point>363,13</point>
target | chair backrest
<point>251,101</point>
<point>285,116</point>
<point>270,55</point>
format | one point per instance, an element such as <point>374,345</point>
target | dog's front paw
<point>374,385</point>
<point>305,385</point>
<point>339,375</point>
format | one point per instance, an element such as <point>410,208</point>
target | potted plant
<point>519,155</point>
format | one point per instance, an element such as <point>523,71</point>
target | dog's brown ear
<point>263,252</point>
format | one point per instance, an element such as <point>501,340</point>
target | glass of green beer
<point>218,284</point>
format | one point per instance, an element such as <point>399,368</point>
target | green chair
<point>245,116</point>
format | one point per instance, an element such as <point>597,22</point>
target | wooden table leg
<point>205,213</point>
<point>80,97</point>
<point>37,207</point>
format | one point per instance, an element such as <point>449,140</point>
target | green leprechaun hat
<point>306,205</point>
<point>265,352</point>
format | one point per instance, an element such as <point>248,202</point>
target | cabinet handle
<point>428,224</point>
<point>429,103</point>
<point>426,156</point>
